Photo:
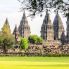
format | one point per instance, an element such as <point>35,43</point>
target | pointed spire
<point>63,38</point>
<point>47,28</point>
<point>24,27</point>
<point>24,16</point>
<point>45,21</point>
<point>57,26</point>
<point>15,30</point>
<point>57,12</point>
<point>24,19</point>
<point>46,12</point>
<point>6,21</point>
<point>67,29</point>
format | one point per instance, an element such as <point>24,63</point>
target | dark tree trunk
<point>4,49</point>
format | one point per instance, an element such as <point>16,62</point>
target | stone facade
<point>68,29</point>
<point>58,27</point>
<point>47,28</point>
<point>51,33</point>
<point>24,28</point>
<point>15,33</point>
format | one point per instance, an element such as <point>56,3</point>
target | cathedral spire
<point>67,29</point>
<point>24,29</point>
<point>47,28</point>
<point>6,21</point>
<point>15,33</point>
<point>63,38</point>
<point>58,27</point>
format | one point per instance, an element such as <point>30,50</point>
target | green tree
<point>7,39</point>
<point>39,40</point>
<point>35,39</point>
<point>6,42</point>
<point>1,41</point>
<point>6,29</point>
<point>24,43</point>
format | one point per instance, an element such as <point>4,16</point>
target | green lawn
<point>34,62</point>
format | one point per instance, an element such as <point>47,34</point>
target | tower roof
<point>58,27</point>
<point>23,27</point>
<point>47,28</point>
<point>58,21</point>
<point>24,19</point>
<point>6,21</point>
<point>15,29</point>
<point>46,18</point>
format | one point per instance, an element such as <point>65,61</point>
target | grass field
<point>34,62</point>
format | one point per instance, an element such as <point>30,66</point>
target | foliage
<point>24,43</point>
<point>35,39</point>
<point>6,42</point>
<point>41,5</point>
<point>6,38</point>
<point>6,29</point>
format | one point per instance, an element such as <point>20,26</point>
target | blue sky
<point>11,9</point>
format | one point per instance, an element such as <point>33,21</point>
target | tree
<point>24,43</point>
<point>6,42</point>
<point>41,5</point>
<point>7,39</point>
<point>6,28</point>
<point>39,40</point>
<point>35,39</point>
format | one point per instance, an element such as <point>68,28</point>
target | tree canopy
<point>6,28</point>
<point>24,43</point>
<point>41,5</point>
<point>6,38</point>
<point>35,39</point>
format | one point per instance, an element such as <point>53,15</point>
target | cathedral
<point>23,30</point>
<point>58,27</point>
<point>51,33</point>
<point>67,29</point>
<point>47,28</point>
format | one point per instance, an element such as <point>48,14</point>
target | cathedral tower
<point>24,28</point>
<point>15,33</point>
<point>47,28</point>
<point>58,27</point>
<point>68,29</point>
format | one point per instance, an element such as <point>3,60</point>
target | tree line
<point>8,41</point>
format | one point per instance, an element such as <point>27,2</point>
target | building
<point>16,33</point>
<point>58,27</point>
<point>47,28</point>
<point>68,30</point>
<point>51,33</point>
<point>24,28</point>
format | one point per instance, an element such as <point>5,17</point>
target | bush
<point>35,39</point>
<point>24,43</point>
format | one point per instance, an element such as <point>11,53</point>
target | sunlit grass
<point>34,62</point>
